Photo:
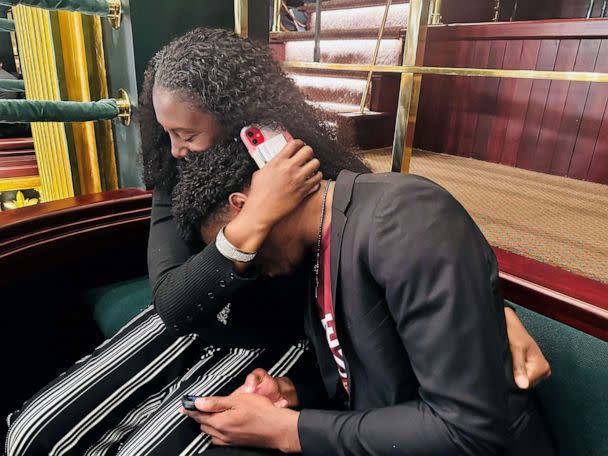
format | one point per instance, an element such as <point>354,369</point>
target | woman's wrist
<point>245,233</point>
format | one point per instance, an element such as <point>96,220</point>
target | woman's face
<point>190,129</point>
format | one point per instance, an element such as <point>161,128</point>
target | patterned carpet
<point>559,221</point>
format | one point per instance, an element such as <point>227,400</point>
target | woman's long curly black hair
<point>239,83</point>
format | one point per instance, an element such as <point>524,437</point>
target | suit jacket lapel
<point>316,333</point>
<point>327,365</point>
<point>341,200</point>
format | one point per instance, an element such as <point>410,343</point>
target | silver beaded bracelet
<point>230,251</point>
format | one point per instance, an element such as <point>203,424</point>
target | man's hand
<point>529,364</point>
<point>247,420</point>
<point>280,390</point>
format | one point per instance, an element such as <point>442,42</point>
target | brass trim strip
<point>19,183</point>
<point>580,76</point>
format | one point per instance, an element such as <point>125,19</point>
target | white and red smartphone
<point>262,143</point>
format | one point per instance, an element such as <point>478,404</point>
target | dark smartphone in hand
<point>188,402</point>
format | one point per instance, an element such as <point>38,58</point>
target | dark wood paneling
<point>505,97</point>
<point>547,126</point>
<point>556,9</point>
<point>519,104</point>
<point>576,28</point>
<point>574,108</point>
<point>556,100</point>
<point>591,120</point>
<point>474,97</point>
<point>453,11</point>
<point>490,89</point>
<point>599,162</point>
<point>537,105</point>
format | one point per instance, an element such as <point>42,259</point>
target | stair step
<point>341,34</point>
<point>346,51</point>
<point>17,153</point>
<point>324,88</point>
<point>16,143</point>
<point>369,17</point>
<point>348,4</point>
<point>343,109</point>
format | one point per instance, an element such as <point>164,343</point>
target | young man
<point>405,315</point>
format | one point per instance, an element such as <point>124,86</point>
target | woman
<point>212,318</point>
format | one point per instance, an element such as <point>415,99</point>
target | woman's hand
<point>529,364</point>
<point>276,190</point>
<point>280,390</point>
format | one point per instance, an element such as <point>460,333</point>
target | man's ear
<point>237,200</point>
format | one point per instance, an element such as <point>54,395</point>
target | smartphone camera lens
<point>250,134</point>
<point>255,141</point>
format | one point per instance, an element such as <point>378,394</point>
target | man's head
<point>203,87</point>
<point>210,193</point>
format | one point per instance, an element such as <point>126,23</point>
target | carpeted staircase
<point>349,31</point>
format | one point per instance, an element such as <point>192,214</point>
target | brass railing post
<point>241,18</point>
<point>590,9</point>
<point>436,13</point>
<point>276,21</point>
<point>375,56</point>
<point>496,11</point>
<point>317,49</point>
<point>409,90</point>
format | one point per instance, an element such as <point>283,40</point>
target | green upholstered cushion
<point>575,397</point>
<point>115,304</point>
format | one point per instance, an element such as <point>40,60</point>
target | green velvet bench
<point>575,397</point>
<point>116,304</point>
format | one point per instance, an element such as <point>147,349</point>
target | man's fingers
<point>213,404</point>
<point>519,367</point>
<point>313,183</point>
<point>290,149</point>
<point>309,169</point>
<point>212,432</point>
<point>218,442</point>
<point>251,383</point>
<point>303,156</point>
<point>281,403</point>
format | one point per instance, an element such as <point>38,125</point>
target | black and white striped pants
<point>124,399</point>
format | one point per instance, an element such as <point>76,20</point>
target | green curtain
<point>96,7</point>
<point>21,111</point>
<point>7,25</point>
<point>11,85</point>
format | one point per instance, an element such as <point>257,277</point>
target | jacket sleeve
<point>190,283</point>
<point>438,275</point>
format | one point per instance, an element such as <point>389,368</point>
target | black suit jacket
<point>420,320</point>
